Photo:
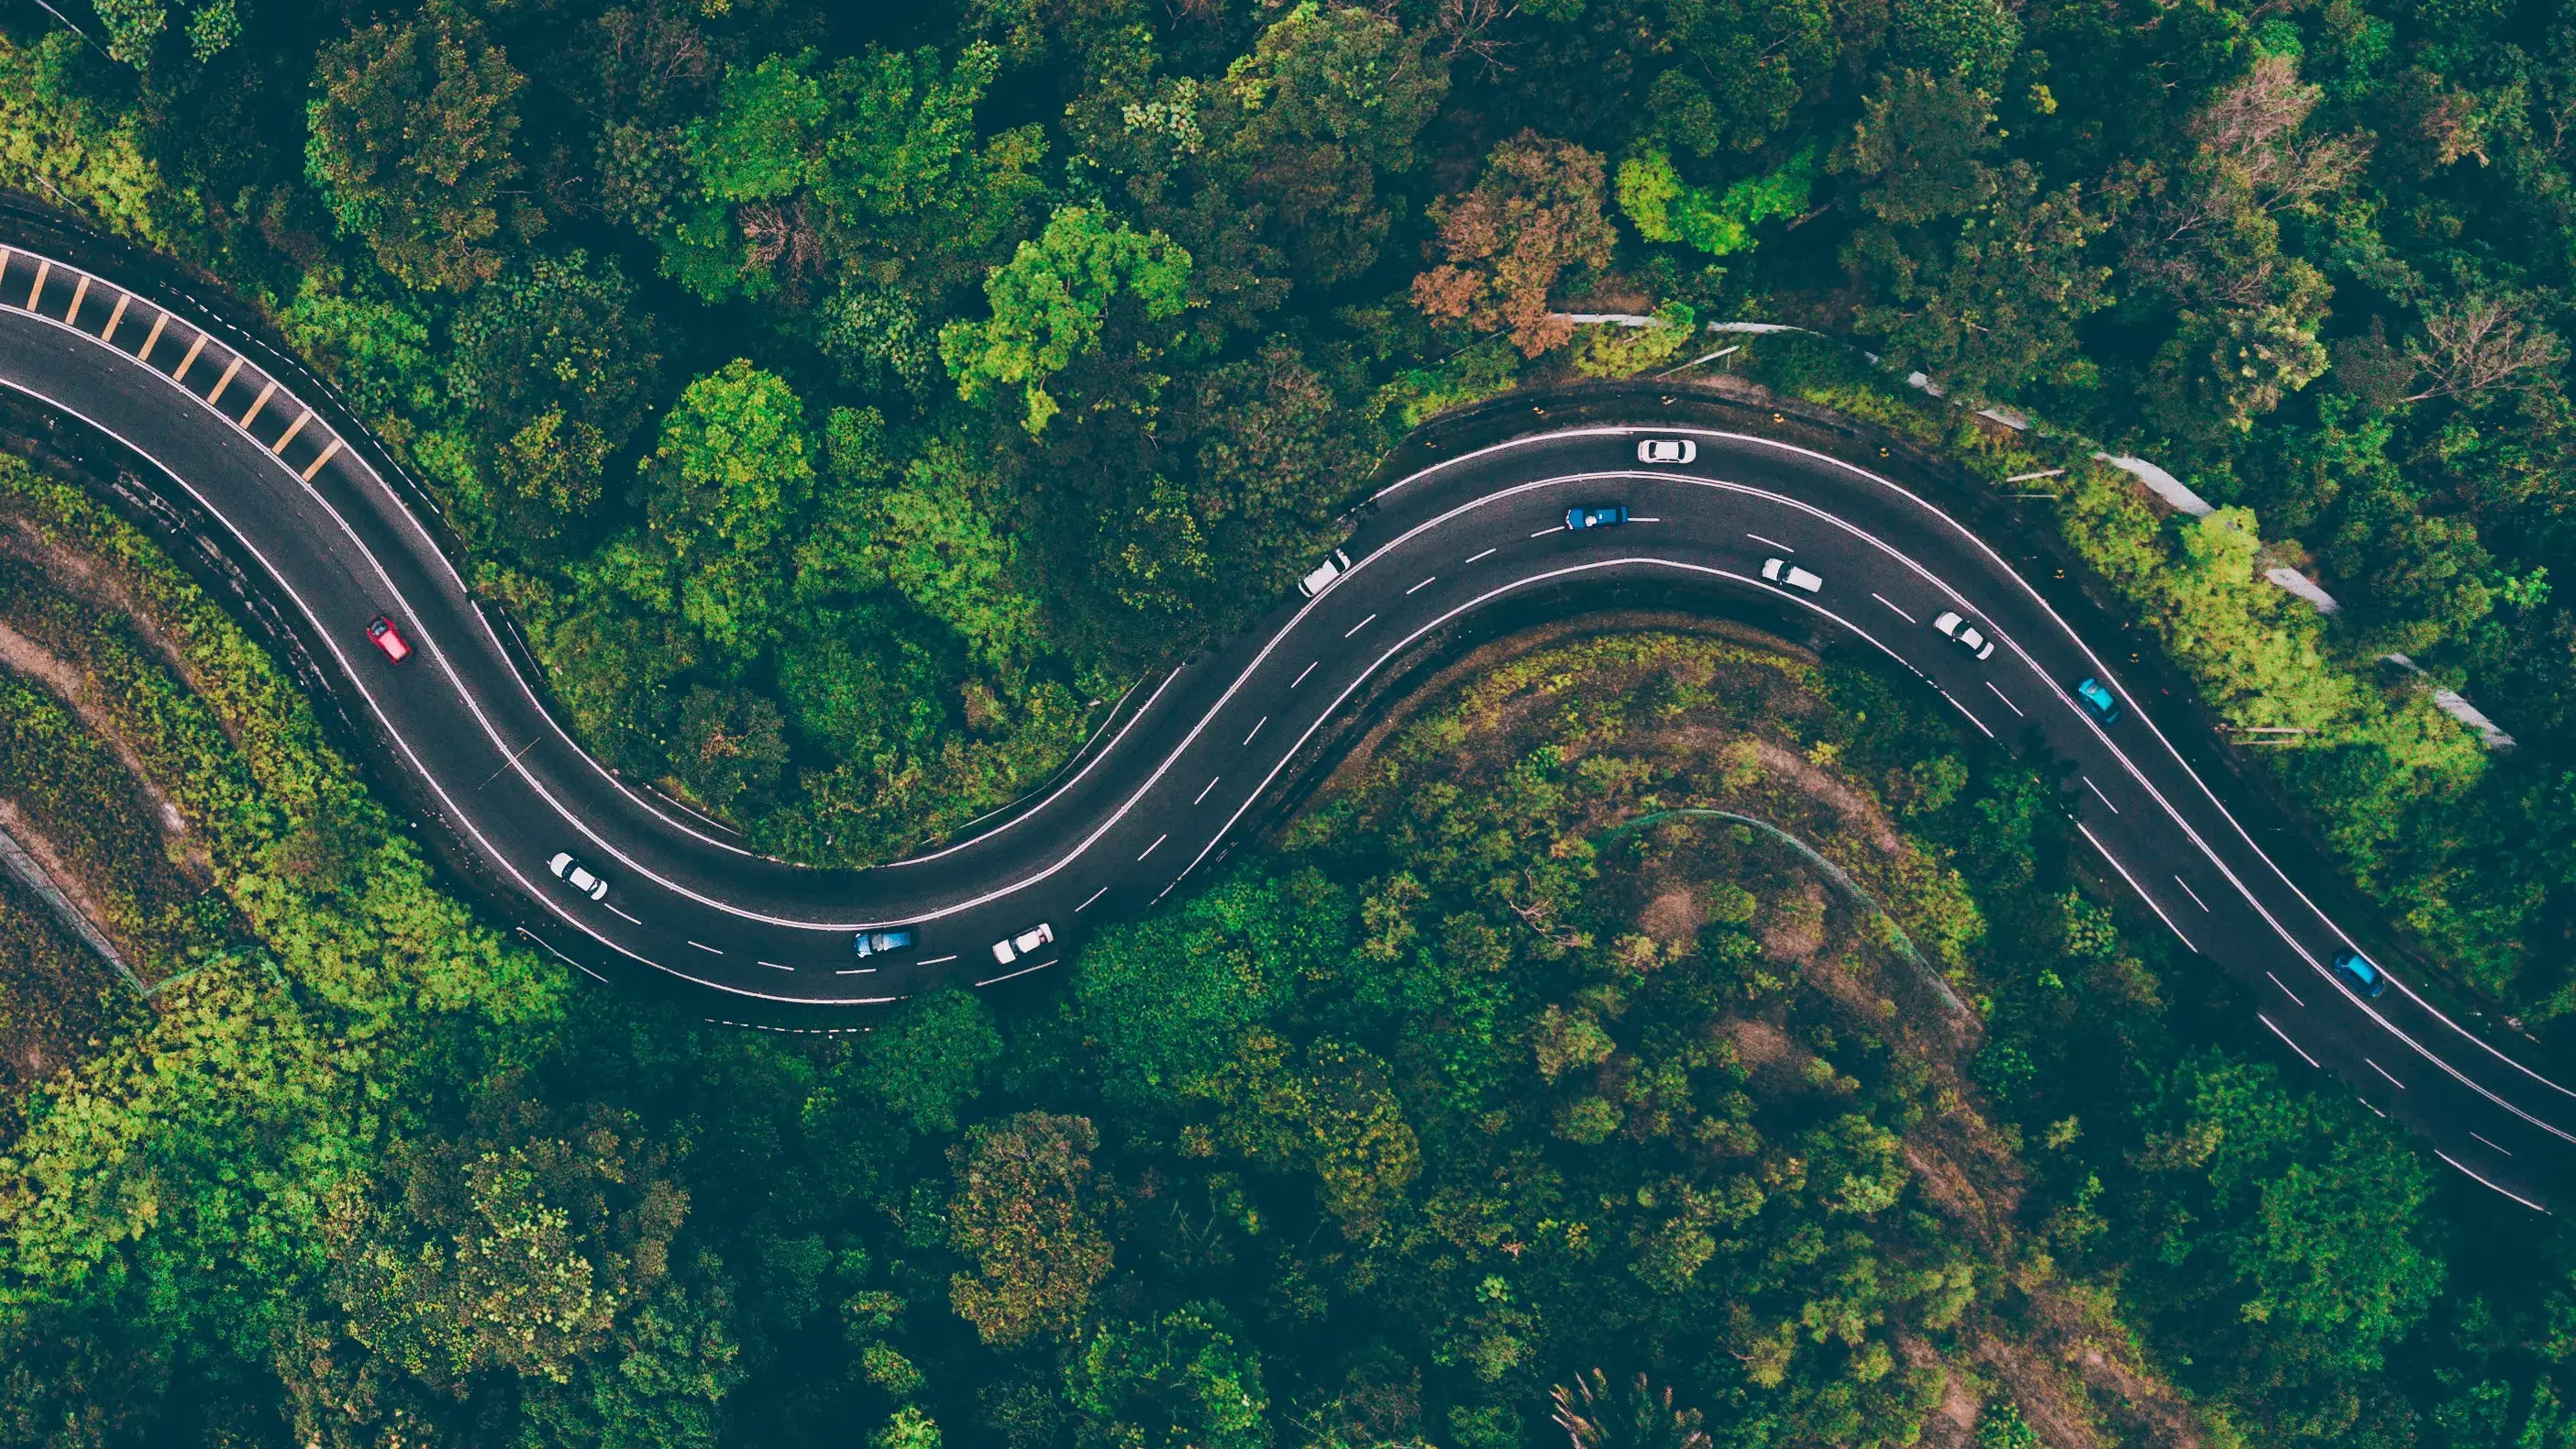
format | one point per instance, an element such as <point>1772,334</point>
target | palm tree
<point>1638,1419</point>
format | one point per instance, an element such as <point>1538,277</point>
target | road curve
<point>249,441</point>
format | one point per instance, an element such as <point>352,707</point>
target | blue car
<point>1597,515</point>
<point>2359,974</point>
<point>2097,701</point>
<point>873,943</point>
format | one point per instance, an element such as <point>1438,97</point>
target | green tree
<point>1029,1213</point>
<point>729,750</point>
<point>409,140</point>
<point>1180,1381</point>
<point>928,1059</point>
<point>1049,305</point>
<point>135,28</point>
<point>722,493</point>
<point>1748,66</point>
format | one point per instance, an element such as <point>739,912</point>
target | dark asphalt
<point>1187,756</point>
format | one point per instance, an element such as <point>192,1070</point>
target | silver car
<point>1667,450</point>
<point>1022,944</point>
<point>1781,571</point>
<point>1968,636</point>
<point>1322,578</point>
<point>573,873</point>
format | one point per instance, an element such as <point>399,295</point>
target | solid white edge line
<point>1023,971</point>
<point>2294,1046</point>
<point>2484,1182</point>
<point>2133,885</point>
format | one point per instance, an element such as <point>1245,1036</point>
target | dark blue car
<point>2097,701</point>
<point>1596,515</point>
<point>2359,974</point>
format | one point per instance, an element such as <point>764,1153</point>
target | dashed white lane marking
<point>781,966</point>
<point>1489,553</point>
<point>1355,628</point>
<point>1544,532</point>
<point>1775,543</point>
<point>2098,795</point>
<point>2455,1162</point>
<point>1086,904</point>
<point>2007,699</point>
<point>1418,588</point>
<point>2482,1138</point>
<point>1963,709</point>
<point>1302,673</point>
<point>1157,845</point>
<point>2294,1046</point>
<point>2383,1071</point>
<point>2382,1116</point>
<point>1211,784</point>
<point>850,971</point>
<point>1265,719</point>
<point>703,946</point>
<point>2195,895</point>
<point>1023,971</point>
<point>621,915</point>
<point>1900,613</point>
<point>2286,991</point>
<point>1645,520</point>
<point>2133,885</point>
<point>933,961</point>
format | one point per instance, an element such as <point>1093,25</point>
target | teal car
<point>2360,973</point>
<point>2097,701</point>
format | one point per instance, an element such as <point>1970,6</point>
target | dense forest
<point>1662,1040</point>
<point>849,401</point>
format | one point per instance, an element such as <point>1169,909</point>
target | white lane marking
<point>936,960</point>
<point>1544,532</point>
<point>2098,795</point>
<point>1645,520</point>
<point>1355,628</point>
<point>1265,719</point>
<point>1489,553</point>
<point>2483,1138</point>
<point>1773,542</point>
<point>2133,885</point>
<point>1203,791</point>
<point>2508,1192</point>
<point>850,971</point>
<point>703,946</point>
<point>2204,905</point>
<point>1157,845</point>
<point>1418,588</point>
<point>2294,1046</point>
<point>2007,699</point>
<point>2375,1112</point>
<point>1023,971</point>
<point>1900,613</point>
<point>614,911</point>
<point>1086,904</point>
<point>1963,709</point>
<point>2383,1071</point>
<point>2286,991</point>
<point>775,966</point>
<point>1302,673</point>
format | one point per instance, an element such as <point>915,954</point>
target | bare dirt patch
<point>1673,917</point>
<point>25,655</point>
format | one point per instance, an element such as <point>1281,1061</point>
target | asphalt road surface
<point>227,428</point>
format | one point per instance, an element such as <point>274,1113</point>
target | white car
<point>1781,571</point>
<point>1022,944</point>
<point>573,873</point>
<point>1968,635</point>
<point>1667,450</point>
<point>1324,574</point>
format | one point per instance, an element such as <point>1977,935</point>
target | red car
<point>388,638</point>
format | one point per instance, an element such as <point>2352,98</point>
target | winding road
<point>248,440</point>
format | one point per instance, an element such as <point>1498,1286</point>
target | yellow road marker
<point>157,324</point>
<point>226,380</point>
<point>316,465</point>
<point>185,362</point>
<point>114,317</point>
<point>297,426</point>
<point>79,293</point>
<point>259,402</point>
<point>44,269</point>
